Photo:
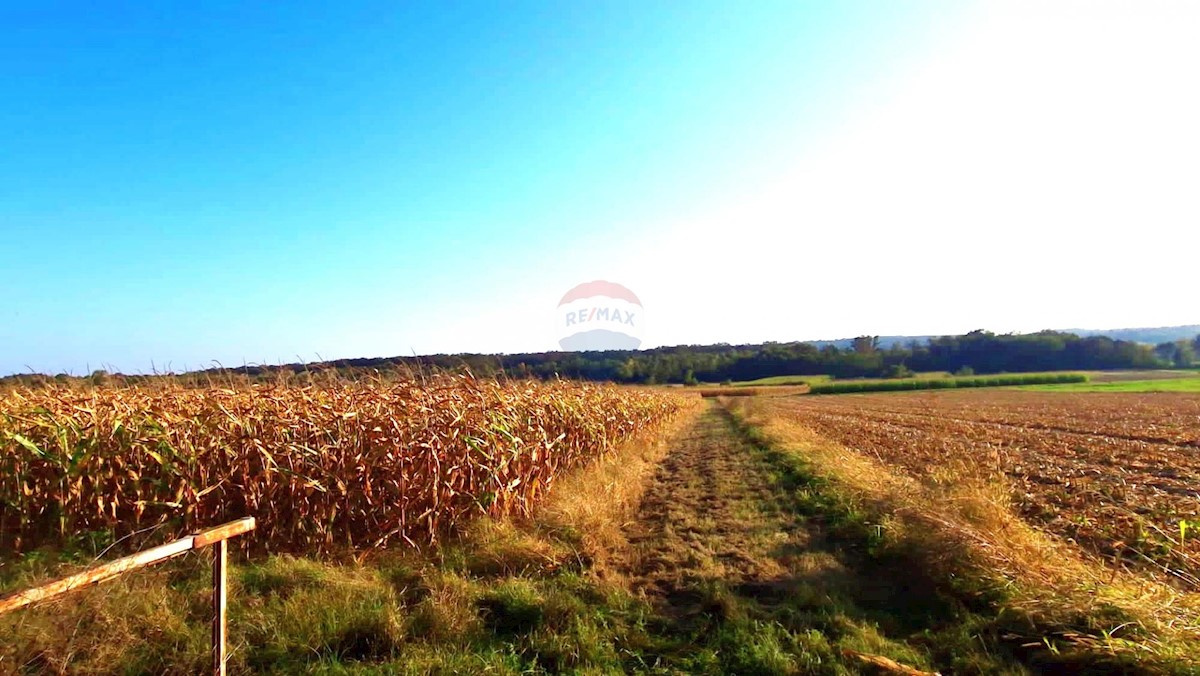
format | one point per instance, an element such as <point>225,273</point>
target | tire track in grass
<point>709,515</point>
<point>745,563</point>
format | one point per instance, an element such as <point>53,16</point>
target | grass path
<point>710,514</point>
<point>747,561</point>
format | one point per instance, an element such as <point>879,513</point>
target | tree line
<point>980,352</point>
<point>977,352</point>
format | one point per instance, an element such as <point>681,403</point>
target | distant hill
<point>884,341</point>
<point>1152,336</point>
<point>1149,336</point>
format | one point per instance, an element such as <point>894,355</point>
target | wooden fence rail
<point>218,537</point>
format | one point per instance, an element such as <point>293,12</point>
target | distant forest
<point>979,352</point>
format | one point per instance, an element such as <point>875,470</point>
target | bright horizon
<point>182,185</point>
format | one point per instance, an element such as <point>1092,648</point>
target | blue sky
<point>189,182</point>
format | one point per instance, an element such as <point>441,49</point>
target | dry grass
<point>594,506</point>
<point>959,523</point>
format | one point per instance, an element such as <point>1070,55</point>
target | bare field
<point>1114,473</point>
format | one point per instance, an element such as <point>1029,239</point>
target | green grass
<point>1182,384</point>
<point>455,613</point>
<point>1006,380</point>
<point>1124,375</point>
<point>1096,377</point>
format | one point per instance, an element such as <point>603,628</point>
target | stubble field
<point>1116,474</point>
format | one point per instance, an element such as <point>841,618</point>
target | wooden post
<point>220,559</point>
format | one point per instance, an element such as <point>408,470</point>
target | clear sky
<point>266,182</point>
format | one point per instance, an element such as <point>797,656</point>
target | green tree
<point>1185,353</point>
<point>866,344</point>
<point>1165,352</point>
<point>627,370</point>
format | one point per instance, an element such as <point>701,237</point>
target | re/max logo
<point>598,314</point>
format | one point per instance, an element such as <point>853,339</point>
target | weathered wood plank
<point>112,569</point>
<point>219,537</point>
<point>223,532</point>
<point>95,575</point>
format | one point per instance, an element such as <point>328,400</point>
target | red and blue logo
<point>599,316</point>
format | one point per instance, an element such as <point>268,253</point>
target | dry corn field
<point>321,467</point>
<point>1114,473</point>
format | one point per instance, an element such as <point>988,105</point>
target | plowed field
<point>1115,473</point>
